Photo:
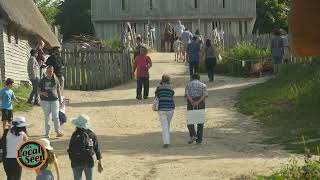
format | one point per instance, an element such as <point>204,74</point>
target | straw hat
<point>46,143</point>
<point>82,121</point>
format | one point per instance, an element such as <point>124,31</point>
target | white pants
<point>51,107</point>
<point>165,119</point>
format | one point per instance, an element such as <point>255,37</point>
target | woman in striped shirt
<point>165,93</point>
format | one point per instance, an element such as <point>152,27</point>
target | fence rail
<point>96,69</point>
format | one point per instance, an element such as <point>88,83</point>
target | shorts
<point>7,115</point>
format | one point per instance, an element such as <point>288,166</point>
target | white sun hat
<point>46,143</point>
<point>20,121</point>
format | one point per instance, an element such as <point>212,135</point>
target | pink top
<point>142,63</point>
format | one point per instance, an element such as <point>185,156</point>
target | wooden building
<point>21,27</point>
<point>235,17</point>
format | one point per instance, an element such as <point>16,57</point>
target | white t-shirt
<point>179,30</point>
<point>13,142</point>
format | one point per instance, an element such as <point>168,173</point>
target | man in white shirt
<point>179,29</point>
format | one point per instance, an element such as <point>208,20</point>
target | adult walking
<point>210,54</point>
<point>167,37</point>
<point>185,38</point>
<point>179,29</point>
<point>193,52</point>
<point>196,93</point>
<point>45,172</point>
<point>56,61</point>
<point>50,95</point>
<point>13,138</point>
<point>277,50</point>
<point>34,76</point>
<point>164,93</point>
<point>82,146</point>
<point>142,64</point>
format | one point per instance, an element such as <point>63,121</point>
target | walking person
<point>164,93</point>
<point>179,29</point>
<point>177,49</point>
<point>34,76</point>
<point>13,138</point>
<point>277,50</point>
<point>45,172</point>
<point>49,91</point>
<point>185,38</point>
<point>82,146</point>
<point>7,96</point>
<point>193,52</point>
<point>196,93</point>
<point>56,61</point>
<point>167,37</point>
<point>210,54</point>
<point>142,64</point>
<point>40,57</point>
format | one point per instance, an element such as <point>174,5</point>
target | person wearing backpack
<point>82,146</point>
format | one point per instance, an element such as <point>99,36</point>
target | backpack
<point>3,144</point>
<point>80,146</point>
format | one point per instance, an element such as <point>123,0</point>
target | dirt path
<point>130,137</point>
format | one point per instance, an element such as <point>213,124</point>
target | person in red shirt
<point>142,64</point>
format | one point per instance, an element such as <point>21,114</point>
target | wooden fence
<point>96,69</point>
<point>261,41</point>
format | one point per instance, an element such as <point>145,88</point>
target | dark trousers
<point>34,93</point>
<point>12,168</point>
<point>193,67</point>
<point>210,64</point>
<point>192,131</point>
<point>143,81</point>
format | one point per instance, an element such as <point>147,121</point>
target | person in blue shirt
<point>7,96</point>
<point>193,52</point>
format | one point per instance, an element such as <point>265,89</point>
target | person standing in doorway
<point>34,76</point>
<point>57,63</point>
<point>196,93</point>
<point>50,95</point>
<point>185,38</point>
<point>277,50</point>
<point>210,58</point>
<point>142,64</point>
<point>165,94</point>
<point>167,37</point>
<point>193,52</point>
<point>7,96</point>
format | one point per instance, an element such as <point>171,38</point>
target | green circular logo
<point>31,155</point>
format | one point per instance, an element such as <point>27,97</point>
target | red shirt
<point>142,63</point>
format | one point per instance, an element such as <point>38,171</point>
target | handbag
<point>196,116</point>
<point>155,105</point>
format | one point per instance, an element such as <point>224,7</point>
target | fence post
<point>83,71</point>
<point>77,59</point>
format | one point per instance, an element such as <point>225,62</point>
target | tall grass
<point>22,93</point>
<point>288,106</point>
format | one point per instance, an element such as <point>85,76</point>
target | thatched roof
<point>25,14</point>
<point>305,27</point>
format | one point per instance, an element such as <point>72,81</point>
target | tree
<point>74,18</point>
<point>271,14</point>
<point>48,9</point>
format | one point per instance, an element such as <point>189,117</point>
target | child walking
<point>7,96</point>
<point>177,49</point>
<point>142,63</point>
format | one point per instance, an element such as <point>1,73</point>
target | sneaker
<point>199,142</point>
<point>192,140</point>
<point>138,97</point>
<point>165,146</point>
<point>36,104</point>
<point>145,97</point>
<point>59,134</point>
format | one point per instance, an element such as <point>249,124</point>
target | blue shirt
<point>193,50</point>
<point>7,95</point>
<point>165,95</point>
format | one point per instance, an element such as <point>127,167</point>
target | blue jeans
<point>61,80</point>
<point>34,94</point>
<point>51,107</point>
<point>193,133</point>
<point>210,64</point>
<point>193,67</point>
<point>77,172</point>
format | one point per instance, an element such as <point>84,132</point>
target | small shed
<point>21,27</point>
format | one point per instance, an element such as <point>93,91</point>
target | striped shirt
<point>165,95</point>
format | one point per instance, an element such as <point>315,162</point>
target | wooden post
<point>77,61</point>
<point>83,71</point>
<point>68,62</point>
<point>93,73</point>
<point>89,70</point>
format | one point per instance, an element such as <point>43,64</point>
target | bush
<point>114,44</point>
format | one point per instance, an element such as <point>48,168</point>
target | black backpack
<point>3,145</point>
<point>80,146</point>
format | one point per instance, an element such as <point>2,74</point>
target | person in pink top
<point>142,64</point>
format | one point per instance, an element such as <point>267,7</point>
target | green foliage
<point>48,9</point>
<point>74,18</point>
<point>113,44</point>
<point>272,14</point>
<point>22,93</point>
<point>288,106</point>
<point>232,59</point>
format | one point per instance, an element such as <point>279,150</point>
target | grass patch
<point>288,106</point>
<point>22,92</point>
